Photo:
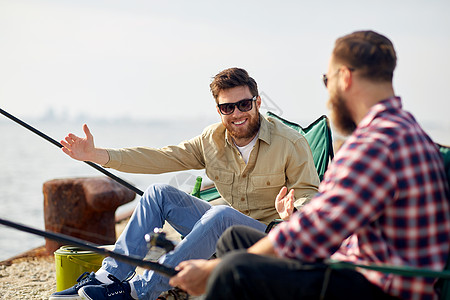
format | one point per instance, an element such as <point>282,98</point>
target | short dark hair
<point>231,78</point>
<point>368,51</point>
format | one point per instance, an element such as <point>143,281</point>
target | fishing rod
<point>62,238</point>
<point>54,142</point>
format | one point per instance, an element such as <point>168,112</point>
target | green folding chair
<point>318,135</point>
<point>443,283</point>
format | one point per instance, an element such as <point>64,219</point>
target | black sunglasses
<point>325,77</point>
<point>243,105</point>
<point>325,80</point>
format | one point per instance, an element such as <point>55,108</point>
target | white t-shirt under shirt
<point>247,149</point>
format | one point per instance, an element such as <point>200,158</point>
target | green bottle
<point>197,187</point>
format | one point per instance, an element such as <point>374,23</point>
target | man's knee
<point>159,191</point>
<point>157,188</point>
<point>237,237</point>
<point>221,211</point>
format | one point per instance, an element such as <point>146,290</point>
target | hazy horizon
<point>150,60</point>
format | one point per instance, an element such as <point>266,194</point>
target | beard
<point>250,131</point>
<point>340,114</point>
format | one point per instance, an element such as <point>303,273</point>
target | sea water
<point>27,161</point>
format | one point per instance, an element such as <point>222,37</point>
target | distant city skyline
<point>150,60</point>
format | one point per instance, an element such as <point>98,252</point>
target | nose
<point>237,113</point>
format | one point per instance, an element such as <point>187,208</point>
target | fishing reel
<point>158,239</point>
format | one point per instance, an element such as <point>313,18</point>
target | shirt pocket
<point>223,180</point>
<point>266,188</point>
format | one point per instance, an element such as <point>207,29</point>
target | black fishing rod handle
<point>170,272</point>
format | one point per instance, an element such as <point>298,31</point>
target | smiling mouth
<point>239,122</point>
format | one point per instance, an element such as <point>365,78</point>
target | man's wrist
<point>101,156</point>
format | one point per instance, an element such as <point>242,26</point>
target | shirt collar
<point>265,129</point>
<point>386,104</point>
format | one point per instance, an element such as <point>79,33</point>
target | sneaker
<point>72,293</point>
<point>118,290</point>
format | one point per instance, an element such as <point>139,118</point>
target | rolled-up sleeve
<point>184,156</point>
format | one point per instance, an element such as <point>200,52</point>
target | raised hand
<point>83,148</point>
<point>284,203</point>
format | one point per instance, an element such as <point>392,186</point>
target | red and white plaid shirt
<point>384,199</point>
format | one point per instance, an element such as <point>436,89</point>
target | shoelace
<point>128,278</point>
<point>82,278</point>
<point>119,283</point>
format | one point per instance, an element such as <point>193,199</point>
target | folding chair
<point>443,283</point>
<point>318,135</point>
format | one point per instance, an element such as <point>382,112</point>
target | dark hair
<point>231,78</point>
<point>368,51</point>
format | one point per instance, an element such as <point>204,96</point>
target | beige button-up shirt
<point>280,157</point>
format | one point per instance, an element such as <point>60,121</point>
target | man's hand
<point>83,149</point>
<point>193,275</point>
<point>284,204</point>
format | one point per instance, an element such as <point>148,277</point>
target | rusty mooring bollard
<point>83,208</point>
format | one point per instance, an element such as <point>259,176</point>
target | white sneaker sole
<point>82,295</point>
<point>62,297</point>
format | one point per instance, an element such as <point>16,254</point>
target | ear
<point>258,102</point>
<point>346,78</point>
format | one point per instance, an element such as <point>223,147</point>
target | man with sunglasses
<point>253,162</point>
<point>384,200</point>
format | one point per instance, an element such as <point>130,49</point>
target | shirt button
<point>268,182</point>
<point>242,199</point>
<point>217,177</point>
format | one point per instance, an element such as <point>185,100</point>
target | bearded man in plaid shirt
<point>384,199</point>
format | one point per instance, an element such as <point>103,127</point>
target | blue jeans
<point>200,223</point>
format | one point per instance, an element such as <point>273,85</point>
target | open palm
<point>284,203</point>
<point>79,148</point>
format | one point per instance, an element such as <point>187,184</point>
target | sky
<point>150,60</point>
